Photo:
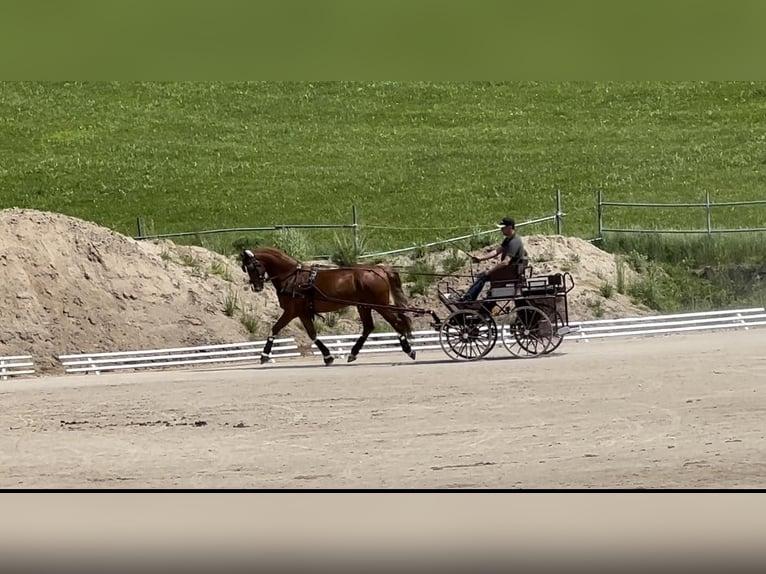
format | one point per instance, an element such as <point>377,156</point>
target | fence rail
<point>582,330</point>
<point>388,342</point>
<point>708,205</point>
<point>16,365</point>
<point>159,358</point>
<point>356,227</point>
<point>660,324</point>
<point>341,345</point>
<point>557,217</point>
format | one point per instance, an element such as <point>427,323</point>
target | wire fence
<point>356,228</point>
<point>707,205</point>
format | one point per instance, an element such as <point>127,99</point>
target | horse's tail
<point>400,299</point>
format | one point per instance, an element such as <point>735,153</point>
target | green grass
<point>438,160</point>
<point>691,250</point>
<point>421,162</point>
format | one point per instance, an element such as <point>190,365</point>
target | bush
<point>345,252</point>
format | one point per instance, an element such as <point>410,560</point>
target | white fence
<point>583,330</point>
<point>16,365</point>
<point>660,324</point>
<point>157,358</point>
<point>340,345</point>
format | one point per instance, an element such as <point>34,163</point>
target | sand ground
<point>681,411</point>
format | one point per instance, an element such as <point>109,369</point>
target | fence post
<point>599,210</point>
<point>558,212</point>
<point>355,223</point>
<point>709,217</point>
<point>140,226</point>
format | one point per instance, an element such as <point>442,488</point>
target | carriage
<point>529,314</point>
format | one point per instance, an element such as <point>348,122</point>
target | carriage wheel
<point>467,335</point>
<point>526,332</point>
<point>556,338</point>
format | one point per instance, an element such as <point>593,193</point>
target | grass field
<point>420,161</point>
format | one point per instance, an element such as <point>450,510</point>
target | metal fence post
<point>558,212</point>
<point>140,226</point>
<point>599,210</point>
<point>709,216</point>
<point>355,223</point>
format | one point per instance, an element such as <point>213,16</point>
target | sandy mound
<point>69,286</point>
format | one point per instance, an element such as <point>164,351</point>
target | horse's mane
<point>278,254</point>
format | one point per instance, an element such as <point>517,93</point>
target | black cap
<point>507,222</point>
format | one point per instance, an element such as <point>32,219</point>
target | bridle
<point>253,265</point>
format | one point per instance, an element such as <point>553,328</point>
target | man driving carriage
<point>512,254</point>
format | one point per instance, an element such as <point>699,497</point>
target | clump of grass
<point>649,289</point>
<point>230,303</point>
<point>543,256</point>
<point>189,260</point>
<point>331,319</point>
<point>221,269</point>
<point>165,255</point>
<point>249,320</point>
<point>597,307</point>
<point>420,252</point>
<point>606,290</point>
<point>477,241</point>
<point>421,274</point>
<point>570,262</point>
<point>294,242</point>
<point>637,261</point>
<point>345,252</point>
<point>620,274</point>
<point>453,261</point>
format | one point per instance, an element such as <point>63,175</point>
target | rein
<point>416,310</point>
<point>404,268</point>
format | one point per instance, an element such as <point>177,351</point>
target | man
<point>511,252</point>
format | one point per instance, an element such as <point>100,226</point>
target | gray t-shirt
<point>513,247</point>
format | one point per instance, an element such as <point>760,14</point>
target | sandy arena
<point>682,411</point>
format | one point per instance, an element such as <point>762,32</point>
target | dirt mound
<point>69,286</point>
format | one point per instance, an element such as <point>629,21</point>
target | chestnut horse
<point>305,291</point>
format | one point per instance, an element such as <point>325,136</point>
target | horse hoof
<point>351,358</point>
<point>412,355</point>
<point>264,359</point>
<point>329,360</point>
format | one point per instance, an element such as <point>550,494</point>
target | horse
<point>305,291</point>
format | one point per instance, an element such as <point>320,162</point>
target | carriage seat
<point>547,285</point>
<point>507,282</point>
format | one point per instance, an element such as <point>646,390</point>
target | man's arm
<point>486,256</point>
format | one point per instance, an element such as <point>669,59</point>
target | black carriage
<point>529,314</point>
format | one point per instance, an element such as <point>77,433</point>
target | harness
<point>300,290</point>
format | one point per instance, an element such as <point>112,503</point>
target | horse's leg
<point>308,324</point>
<point>368,325</point>
<point>399,322</point>
<point>278,326</point>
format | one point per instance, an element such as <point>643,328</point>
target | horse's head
<point>254,269</point>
